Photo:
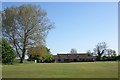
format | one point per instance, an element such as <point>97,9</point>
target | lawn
<point>61,70</point>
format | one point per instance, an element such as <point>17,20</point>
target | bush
<point>8,53</point>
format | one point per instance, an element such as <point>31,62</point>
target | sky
<point>79,25</point>
<point>59,0</point>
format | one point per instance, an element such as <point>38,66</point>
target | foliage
<point>25,26</point>
<point>118,57</point>
<point>73,51</point>
<point>0,25</point>
<point>111,53</point>
<point>104,54</point>
<point>89,53</point>
<point>8,53</point>
<point>0,51</point>
<point>40,53</point>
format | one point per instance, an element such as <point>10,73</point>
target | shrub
<point>8,53</point>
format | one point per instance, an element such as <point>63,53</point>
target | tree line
<point>101,52</point>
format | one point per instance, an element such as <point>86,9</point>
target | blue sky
<point>79,25</point>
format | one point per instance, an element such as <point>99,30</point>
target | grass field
<point>61,70</point>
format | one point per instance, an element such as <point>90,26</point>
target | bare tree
<point>100,49</point>
<point>73,51</point>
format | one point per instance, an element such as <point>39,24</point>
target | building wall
<point>73,58</point>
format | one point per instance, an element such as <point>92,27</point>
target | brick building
<point>81,57</point>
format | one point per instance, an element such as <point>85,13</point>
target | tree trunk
<point>22,58</point>
<point>24,50</point>
<point>23,54</point>
<point>99,57</point>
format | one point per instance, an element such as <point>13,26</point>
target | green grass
<point>61,70</point>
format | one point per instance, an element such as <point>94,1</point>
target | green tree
<point>40,53</point>
<point>100,49</point>
<point>8,53</point>
<point>0,50</point>
<point>0,36</point>
<point>89,53</point>
<point>111,54</point>
<point>0,25</point>
<point>114,53</point>
<point>73,51</point>
<point>25,26</point>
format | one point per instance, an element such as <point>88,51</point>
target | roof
<point>71,53</point>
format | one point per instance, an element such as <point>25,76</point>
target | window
<point>59,60</point>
